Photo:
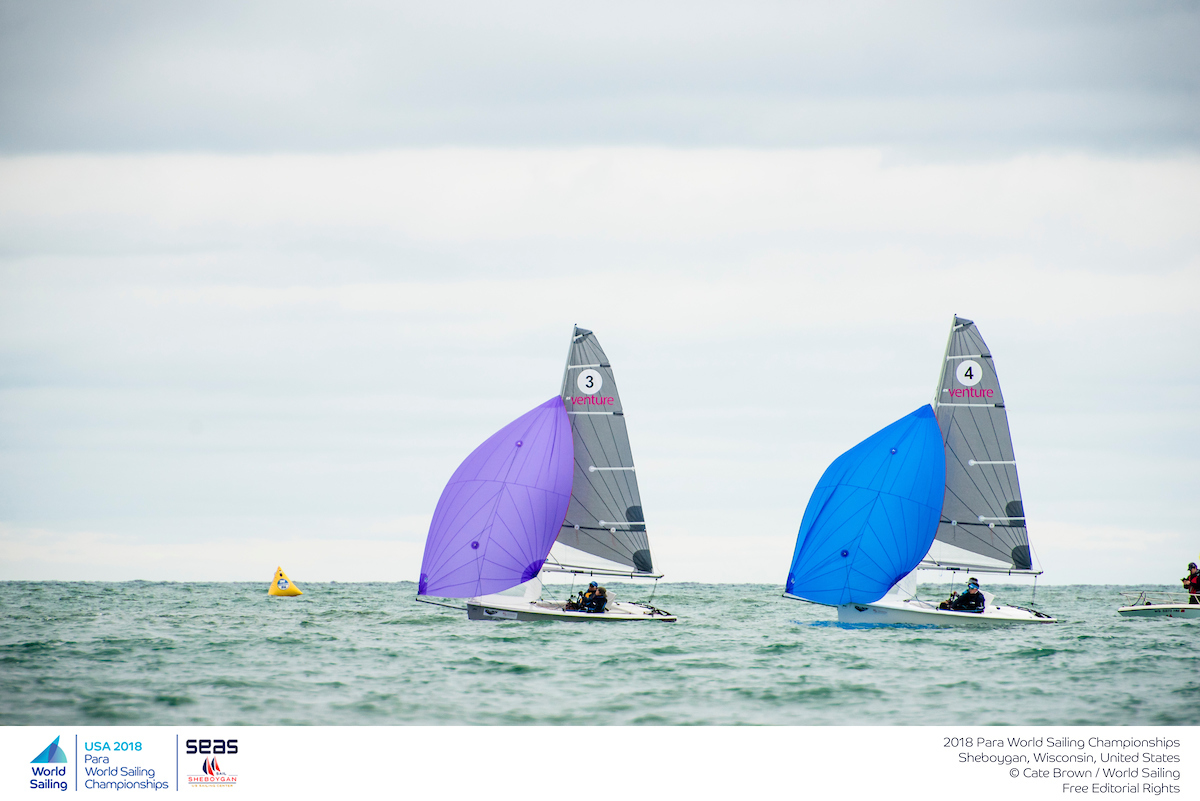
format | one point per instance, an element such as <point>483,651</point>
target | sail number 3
<point>589,382</point>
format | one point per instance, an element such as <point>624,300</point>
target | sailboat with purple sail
<point>553,491</point>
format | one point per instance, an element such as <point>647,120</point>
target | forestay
<point>498,516</point>
<point>605,517</point>
<point>872,515</point>
<point>983,518</point>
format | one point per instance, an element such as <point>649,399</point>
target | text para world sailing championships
<point>1110,750</point>
<point>1058,742</point>
<point>591,400</point>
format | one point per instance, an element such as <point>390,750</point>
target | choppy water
<point>166,654</point>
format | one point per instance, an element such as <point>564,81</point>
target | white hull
<point>892,611</point>
<point>501,608</point>
<point>1161,610</point>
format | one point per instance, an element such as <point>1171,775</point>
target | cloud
<point>439,197</point>
<point>303,76</point>
<point>285,341</point>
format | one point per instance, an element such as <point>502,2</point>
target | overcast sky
<point>268,272</point>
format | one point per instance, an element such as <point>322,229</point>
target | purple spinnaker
<point>501,511</point>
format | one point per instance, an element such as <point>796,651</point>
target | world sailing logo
<point>43,778</point>
<point>52,753</point>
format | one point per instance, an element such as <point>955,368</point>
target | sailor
<point>594,600</point>
<point>1191,583</point>
<point>585,600</point>
<point>970,601</point>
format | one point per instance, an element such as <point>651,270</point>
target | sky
<point>269,272</point>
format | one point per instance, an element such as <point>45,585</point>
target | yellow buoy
<point>282,585</point>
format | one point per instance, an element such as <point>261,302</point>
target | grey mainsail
<point>605,514</point>
<point>983,517</point>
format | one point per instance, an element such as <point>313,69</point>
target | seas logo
<point>210,774</point>
<point>45,778</point>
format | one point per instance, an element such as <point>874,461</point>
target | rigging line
<point>995,501</point>
<point>1011,479</point>
<point>626,497</point>
<point>583,473</point>
<point>608,510</point>
<point>962,436</point>
<point>963,535</point>
<point>611,429</point>
<point>436,603</point>
<point>630,480</point>
<point>1007,434</point>
<point>612,485</point>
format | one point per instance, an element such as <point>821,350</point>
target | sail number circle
<point>589,382</point>
<point>969,373</point>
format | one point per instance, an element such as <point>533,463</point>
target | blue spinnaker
<point>873,515</point>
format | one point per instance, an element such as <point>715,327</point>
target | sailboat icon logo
<point>211,775</point>
<point>51,754</point>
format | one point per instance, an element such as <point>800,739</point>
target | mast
<point>937,391</point>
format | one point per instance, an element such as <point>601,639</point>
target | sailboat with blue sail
<point>936,490</point>
<point>554,491</point>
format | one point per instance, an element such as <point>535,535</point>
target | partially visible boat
<point>1158,604</point>
<point>936,490</point>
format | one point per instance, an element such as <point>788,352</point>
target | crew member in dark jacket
<point>586,600</point>
<point>597,602</point>
<point>1191,583</point>
<point>970,601</point>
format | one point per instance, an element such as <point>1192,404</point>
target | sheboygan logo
<point>211,774</point>
<point>49,778</point>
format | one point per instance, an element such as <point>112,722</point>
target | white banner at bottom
<point>458,762</point>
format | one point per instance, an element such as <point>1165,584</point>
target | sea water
<point>369,654</point>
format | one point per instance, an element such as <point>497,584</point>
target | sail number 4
<point>969,373</point>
